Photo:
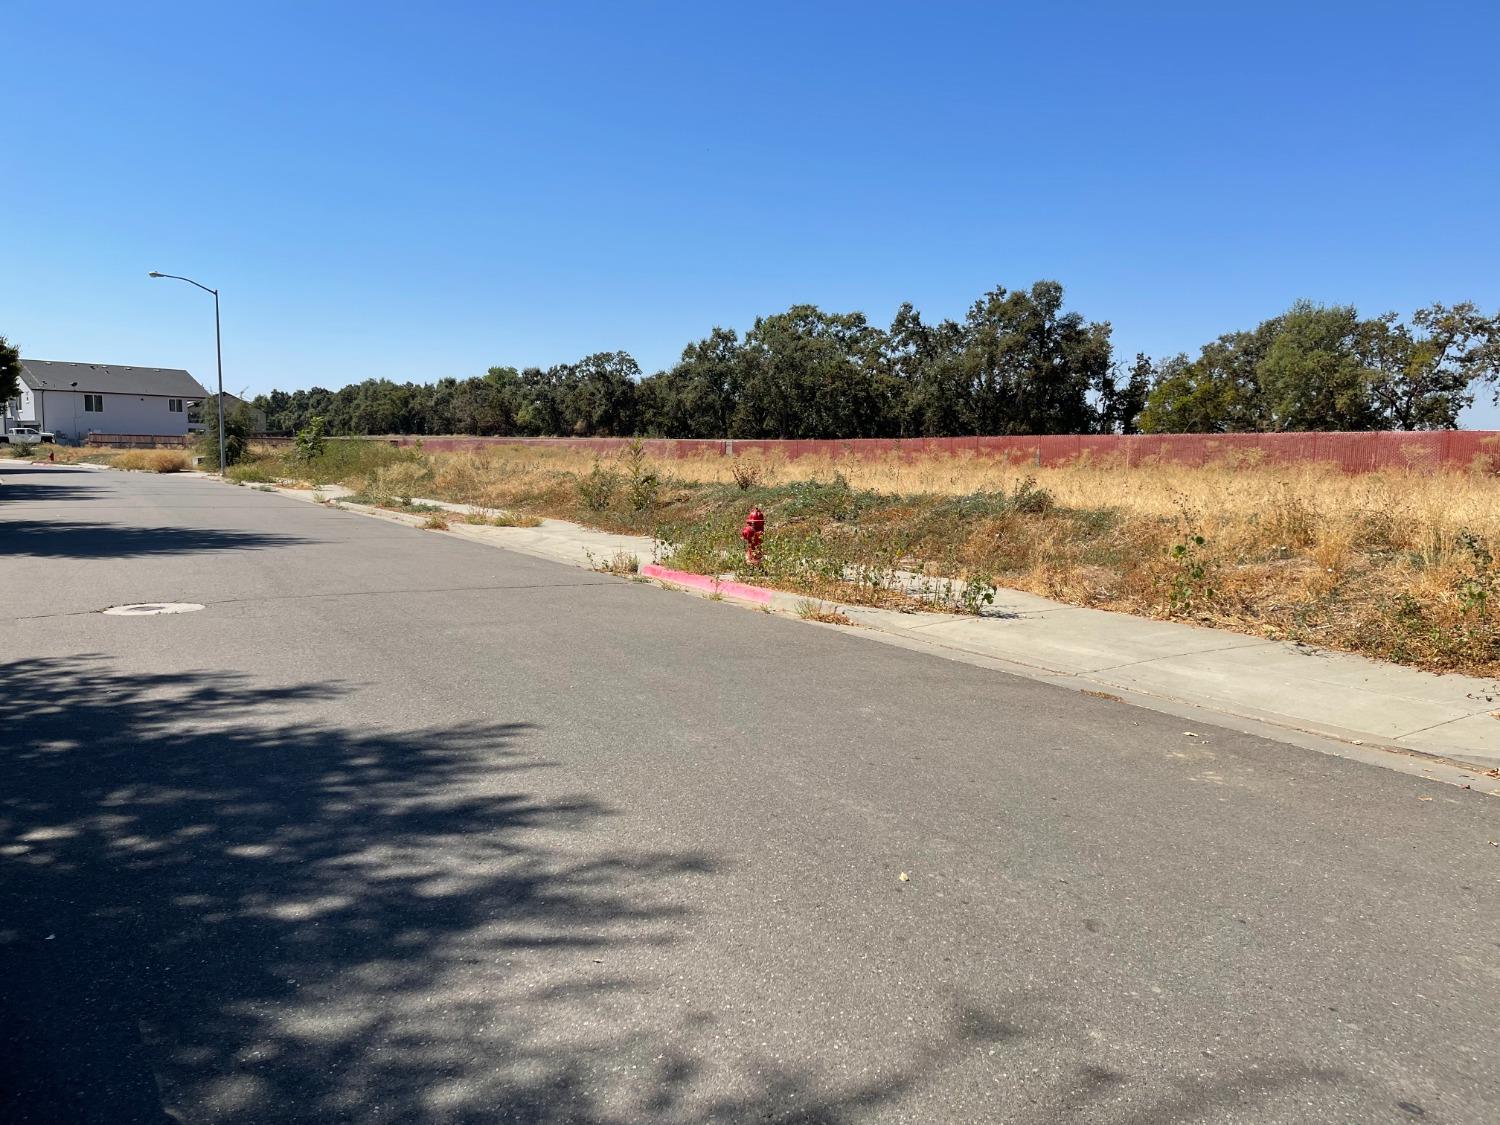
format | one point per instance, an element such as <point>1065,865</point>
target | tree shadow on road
<point>22,482</point>
<point>67,539</point>
<point>210,913</point>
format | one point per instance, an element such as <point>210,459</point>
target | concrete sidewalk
<point>1294,687</point>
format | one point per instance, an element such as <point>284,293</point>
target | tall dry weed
<point>153,460</point>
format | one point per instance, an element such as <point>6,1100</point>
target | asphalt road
<point>404,828</point>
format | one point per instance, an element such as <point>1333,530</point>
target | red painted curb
<point>707,583</point>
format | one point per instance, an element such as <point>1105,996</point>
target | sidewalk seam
<point>1180,655</point>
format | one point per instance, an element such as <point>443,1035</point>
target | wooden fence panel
<point>140,441</point>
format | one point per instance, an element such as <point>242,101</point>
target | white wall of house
<point>21,409</point>
<point>63,413</point>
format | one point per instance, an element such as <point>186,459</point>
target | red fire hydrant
<point>752,533</point>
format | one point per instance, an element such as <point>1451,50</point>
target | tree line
<point>1017,363</point>
<point>10,373</point>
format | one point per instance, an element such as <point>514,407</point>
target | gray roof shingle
<point>109,378</point>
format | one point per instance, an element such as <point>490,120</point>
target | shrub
<point>642,481</point>
<point>1031,498</point>
<point>747,474</point>
<point>310,442</point>
<point>400,482</point>
<point>596,490</point>
<point>832,498</point>
<point>236,433</point>
<point>152,460</point>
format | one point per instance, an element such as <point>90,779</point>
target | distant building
<point>232,404</point>
<point>73,400</point>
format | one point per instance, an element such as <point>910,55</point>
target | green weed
<point>1192,578</point>
<point>598,488</point>
<point>248,472</point>
<point>642,482</point>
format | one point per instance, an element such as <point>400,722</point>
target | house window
<point>94,403</point>
<point>174,406</point>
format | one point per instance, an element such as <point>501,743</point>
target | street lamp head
<point>153,273</point>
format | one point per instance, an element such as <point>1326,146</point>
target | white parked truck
<point>26,435</point>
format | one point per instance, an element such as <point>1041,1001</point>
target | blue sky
<point>413,191</point>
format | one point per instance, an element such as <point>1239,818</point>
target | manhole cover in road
<point>147,609</point>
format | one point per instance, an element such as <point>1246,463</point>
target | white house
<point>73,400</point>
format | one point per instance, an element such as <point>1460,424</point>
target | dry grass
<point>1400,565</point>
<point>488,517</point>
<point>622,563</point>
<point>118,458</point>
<point>810,609</point>
<point>153,460</point>
<point>1309,509</point>
<point>1240,491</point>
<point>62,454</point>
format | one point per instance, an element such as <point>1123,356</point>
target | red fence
<point>1352,452</point>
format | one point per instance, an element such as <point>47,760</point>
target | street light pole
<point>218,355</point>
<point>219,402</point>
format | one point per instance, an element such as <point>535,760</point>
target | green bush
<point>597,489</point>
<point>344,459</point>
<point>236,434</point>
<point>832,498</point>
<point>310,442</point>
<point>642,482</point>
